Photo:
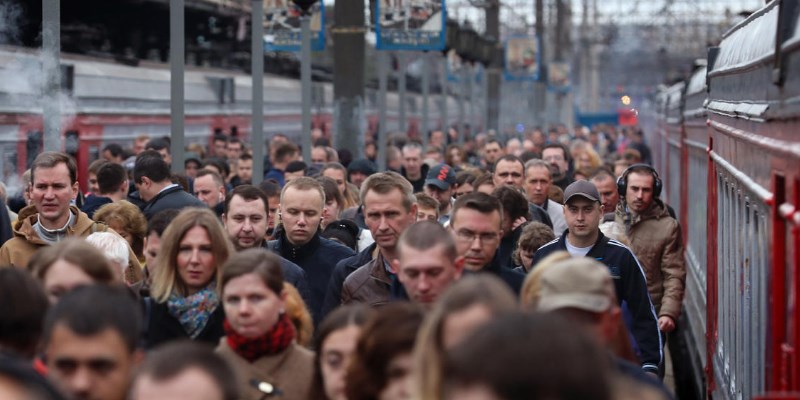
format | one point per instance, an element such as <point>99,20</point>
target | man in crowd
<point>537,186</point>
<point>302,201</point>
<point>219,145</point>
<point>413,168</point>
<point>152,245</point>
<point>427,208</point>
<point>510,171</point>
<point>389,208</point>
<point>584,239</point>
<point>152,179</point>
<point>439,185</point>
<point>492,151</point>
<point>209,187</point>
<point>113,153</point>
<point>557,155</point>
<point>161,146</point>
<point>112,183</point>
<point>244,170</point>
<point>284,154</point>
<point>477,227</point>
<point>359,170</point>
<point>319,155</point>
<point>234,149</point>
<point>295,169</point>
<point>607,187</point>
<point>91,342</point>
<point>427,262</point>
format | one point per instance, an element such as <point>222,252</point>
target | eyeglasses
<point>468,236</point>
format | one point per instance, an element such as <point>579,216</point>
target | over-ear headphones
<point>622,181</point>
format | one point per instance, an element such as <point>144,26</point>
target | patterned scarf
<point>273,341</point>
<point>194,311</point>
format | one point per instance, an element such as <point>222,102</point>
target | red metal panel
<point>777,295</point>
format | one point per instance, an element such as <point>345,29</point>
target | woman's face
<point>526,256</point>
<point>119,228</point>
<point>460,324</point>
<point>455,157</point>
<point>584,161</point>
<point>398,374</point>
<point>337,350</point>
<point>196,263</point>
<point>251,307</point>
<point>331,211</point>
<point>62,277</point>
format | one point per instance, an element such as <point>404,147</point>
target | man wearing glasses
<point>476,225</point>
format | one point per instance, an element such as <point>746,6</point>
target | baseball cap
<point>581,283</point>
<point>441,176</point>
<point>581,188</point>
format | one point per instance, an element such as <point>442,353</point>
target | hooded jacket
<point>17,251</point>
<point>655,238</point>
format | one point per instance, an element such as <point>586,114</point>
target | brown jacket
<point>370,284</point>
<point>291,371</point>
<point>655,239</point>
<point>19,249</point>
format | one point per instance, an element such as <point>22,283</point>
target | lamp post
<point>257,71</point>
<point>305,73</point>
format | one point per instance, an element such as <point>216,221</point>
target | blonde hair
<point>532,287</point>
<point>166,279</point>
<point>298,313</point>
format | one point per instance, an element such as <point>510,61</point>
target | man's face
<point>437,138</point>
<point>462,190</point>
<point>234,151</point>
<point>412,161</point>
<point>427,214</point>
<point>557,160</point>
<point>537,184</point>
<point>152,244</point>
<point>301,212</point>
<point>219,148</point>
<point>98,366</point>
<point>244,169</point>
<point>319,155</point>
<point>441,195</point>
<point>208,192</point>
<point>492,152</point>
<point>246,222</point>
<point>639,194</point>
<point>426,274</point>
<point>583,217</point>
<point>274,205</point>
<point>357,178</point>
<point>338,176</point>
<point>166,156</point>
<point>477,236</point>
<point>386,217</point>
<point>139,146</point>
<point>110,157</point>
<point>192,383</point>
<point>609,195</point>
<point>509,173</point>
<point>51,193</point>
<point>191,168</point>
<point>94,187</point>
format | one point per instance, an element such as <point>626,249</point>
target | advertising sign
<point>282,26</point>
<point>558,77</point>
<point>522,59</point>
<point>410,24</point>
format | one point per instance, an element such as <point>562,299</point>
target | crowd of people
<point>542,266</point>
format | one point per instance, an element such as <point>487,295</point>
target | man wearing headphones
<point>655,238</point>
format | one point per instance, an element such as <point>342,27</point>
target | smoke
<point>10,18</point>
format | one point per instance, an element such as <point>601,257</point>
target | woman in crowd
<point>454,157</point>
<point>534,235</point>
<point>470,303</point>
<point>68,264</point>
<point>259,337</point>
<point>185,288</point>
<point>127,220</point>
<point>381,367</point>
<point>335,344</point>
<point>334,201</point>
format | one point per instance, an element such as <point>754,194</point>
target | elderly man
<point>537,186</point>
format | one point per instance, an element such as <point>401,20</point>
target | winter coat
<point>370,284</point>
<point>172,198</point>
<point>161,327</point>
<point>93,203</point>
<point>290,371</point>
<point>333,297</point>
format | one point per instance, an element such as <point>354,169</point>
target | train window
<point>33,147</point>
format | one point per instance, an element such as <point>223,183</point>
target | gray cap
<point>581,188</point>
<point>581,283</point>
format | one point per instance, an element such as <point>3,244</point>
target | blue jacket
<point>317,258</point>
<point>93,203</point>
<point>292,273</point>
<point>631,287</point>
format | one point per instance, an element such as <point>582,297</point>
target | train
<point>727,140</point>
<point>106,102</point>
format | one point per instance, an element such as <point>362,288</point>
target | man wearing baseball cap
<point>439,185</point>
<point>583,212</point>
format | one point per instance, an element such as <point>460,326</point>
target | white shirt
<point>577,251</point>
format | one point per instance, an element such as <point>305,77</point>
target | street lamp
<point>305,72</point>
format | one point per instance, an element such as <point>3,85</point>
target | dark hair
<point>481,180</point>
<point>512,158</point>
<point>602,173</point>
<point>576,368</point>
<point>296,166</point>
<point>50,159</point>
<point>23,305</point>
<point>95,165</point>
<point>248,193</point>
<point>284,151</point>
<point>181,180</point>
<point>159,222</point>
<point>343,231</point>
<point>388,334</point>
<point>158,144</point>
<point>270,187</point>
<point>110,176</point>
<point>478,201</point>
<point>213,174</point>
<point>425,235</point>
<point>245,156</point>
<point>534,235</point>
<point>219,164</point>
<point>22,373</point>
<point>563,148</point>
<point>174,358</point>
<point>234,139</point>
<point>331,190</point>
<point>514,202</point>
<point>89,310</point>
<point>338,319</point>
<point>493,140</point>
<point>220,137</point>
<point>427,201</point>
<point>464,177</point>
<point>150,164</point>
<point>264,264</point>
<point>114,149</point>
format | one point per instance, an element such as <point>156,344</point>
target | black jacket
<point>161,327</point>
<point>418,184</point>
<point>631,287</point>
<point>513,279</point>
<point>93,203</point>
<point>343,269</point>
<point>317,258</point>
<point>292,273</point>
<point>172,198</point>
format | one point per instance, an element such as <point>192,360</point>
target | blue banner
<point>282,26</point>
<point>558,77</point>
<point>410,24</point>
<point>522,59</point>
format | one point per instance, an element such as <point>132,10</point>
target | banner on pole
<point>558,77</point>
<point>522,59</point>
<point>282,26</point>
<point>410,24</point>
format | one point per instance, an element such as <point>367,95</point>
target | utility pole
<point>348,77</point>
<point>494,70</point>
<point>51,66</point>
<point>540,89</point>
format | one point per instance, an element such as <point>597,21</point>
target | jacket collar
<point>292,252</point>
<point>597,248</point>
<point>28,216</point>
<point>657,210</point>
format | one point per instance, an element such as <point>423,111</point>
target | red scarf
<point>274,341</point>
